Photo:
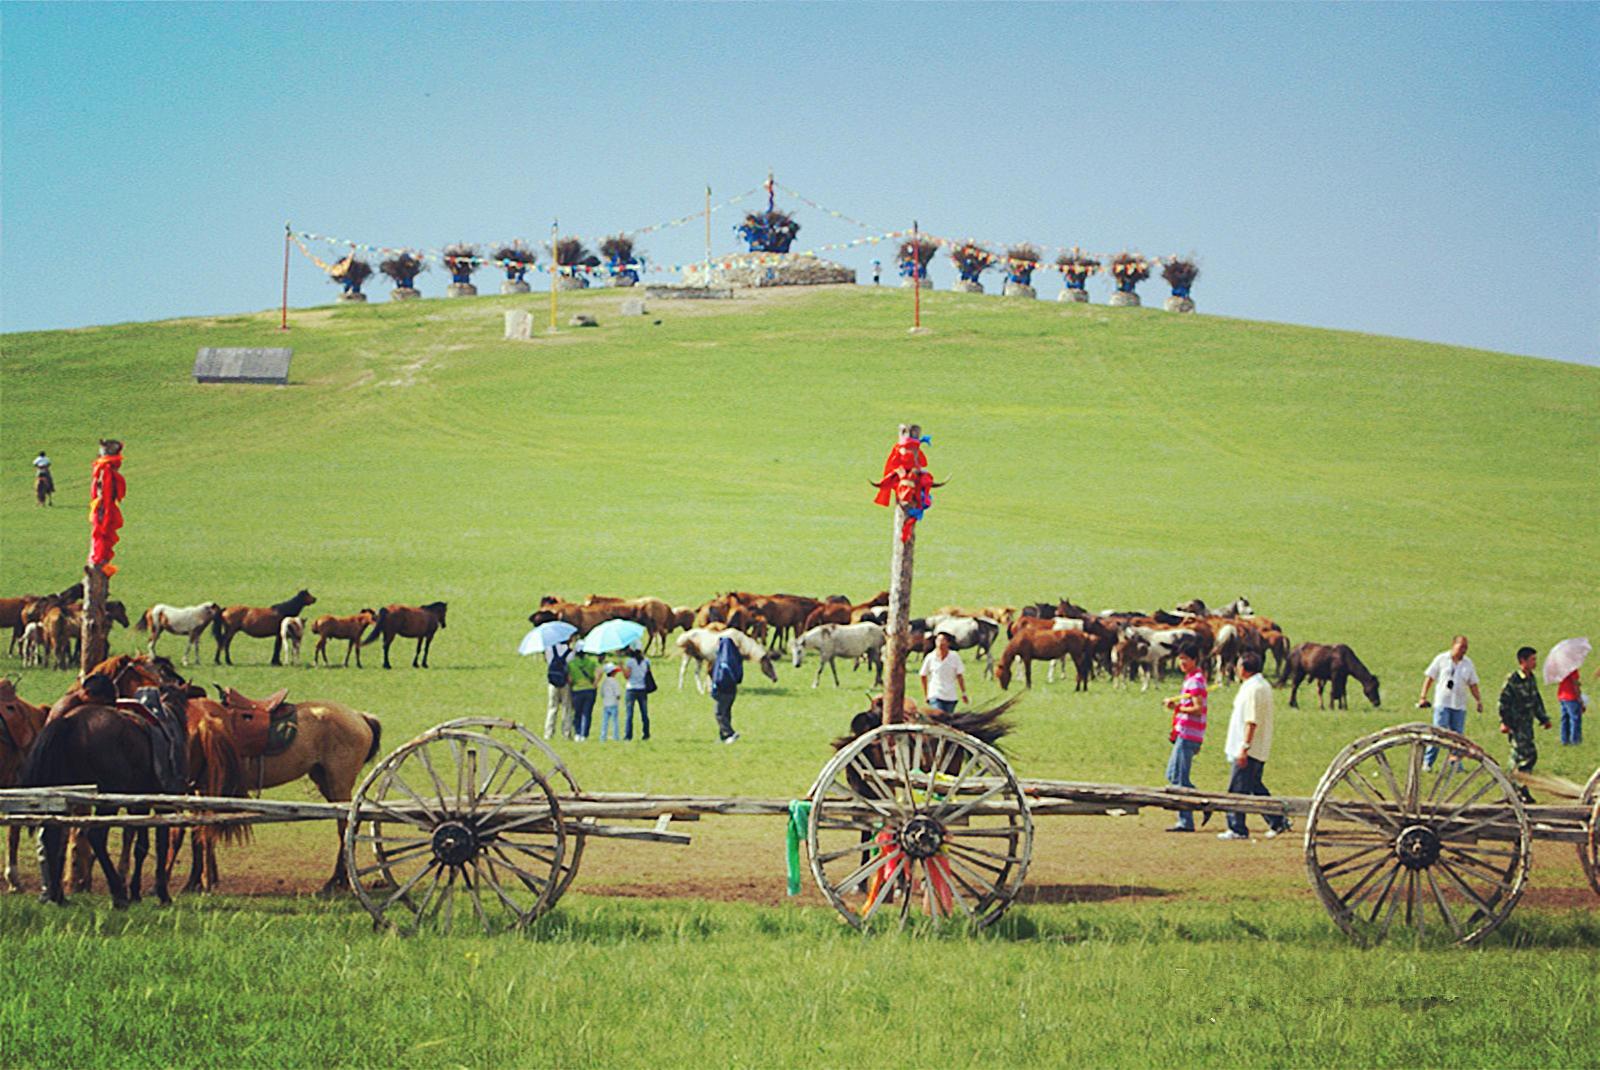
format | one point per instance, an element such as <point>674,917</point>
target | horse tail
<point>377,736</point>
<point>216,628</point>
<point>220,772</point>
<point>377,627</point>
<point>1288,666</point>
<point>143,623</point>
<point>46,764</point>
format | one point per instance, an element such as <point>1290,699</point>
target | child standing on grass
<point>610,700</point>
<point>1188,729</point>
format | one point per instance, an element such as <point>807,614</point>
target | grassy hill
<point>1358,489</point>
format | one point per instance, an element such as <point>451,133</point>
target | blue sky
<point>1430,171</point>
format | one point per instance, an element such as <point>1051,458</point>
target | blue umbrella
<point>613,635</point>
<point>545,636</point>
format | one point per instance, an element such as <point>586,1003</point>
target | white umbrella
<point>545,636</point>
<point>613,635</point>
<point>1564,659</point>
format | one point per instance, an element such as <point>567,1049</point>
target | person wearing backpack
<point>560,704</point>
<point>641,681</point>
<point>727,673</point>
<point>583,669</point>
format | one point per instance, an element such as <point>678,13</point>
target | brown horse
<point>44,487</point>
<point>1045,644</point>
<point>330,745</point>
<point>348,628</point>
<point>409,622</point>
<point>20,724</point>
<point>257,623</point>
<point>1327,663</point>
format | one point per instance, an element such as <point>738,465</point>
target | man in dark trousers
<point>727,673</point>
<point>1520,705</point>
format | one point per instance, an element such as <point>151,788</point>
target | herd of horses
<point>45,628</point>
<point>134,725</point>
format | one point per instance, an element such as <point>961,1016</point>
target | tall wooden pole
<point>94,640</point>
<point>916,277</point>
<point>283,324</point>
<point>708,235</point>
<point>899,630</point>
<point>555,272</point>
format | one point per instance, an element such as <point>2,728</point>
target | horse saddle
<point>260,728</point>
<point>167,737</point>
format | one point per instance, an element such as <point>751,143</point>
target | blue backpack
<point>557,675</point>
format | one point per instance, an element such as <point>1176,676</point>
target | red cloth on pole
<point>905,458</point>
<point>106,490</point>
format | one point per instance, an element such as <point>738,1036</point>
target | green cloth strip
<point>799,824</point>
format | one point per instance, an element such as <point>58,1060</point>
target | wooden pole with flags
<point>708,234</point>
<point>916,277</point>
<point>555,271</point>
<point>288,233</point>
<point>902,557</point>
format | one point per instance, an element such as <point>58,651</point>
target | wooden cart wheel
<point>1589,849</point>
<point>914,816</point>
<point>1363,741</point>
<point>459,823</point>
<point>1445,852</point>
<point>549,763</point>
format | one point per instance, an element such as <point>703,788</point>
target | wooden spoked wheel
<point>1589,848</point>
<point>918,818</point>
<point>1364,741</point>
<point>1443,854</point>
<point>548,762</point>
<point>461,826</point>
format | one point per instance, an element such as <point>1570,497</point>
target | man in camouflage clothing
<point>1520,704</point>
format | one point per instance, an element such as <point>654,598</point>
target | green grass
<point>1363,490</point>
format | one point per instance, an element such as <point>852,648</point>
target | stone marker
<point>633,307</point>
<point>519,326</point>
<point>354,296</point>
<point>242,366</point>
<point>404,293</point>
<point>1179,304</point>
<point>1123,299</point>
<point>1080,297</point>
<point>461,289</point>
<point>512,286</point>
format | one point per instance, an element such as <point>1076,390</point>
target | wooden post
<point>94,638</point>
<point>283,325</point>
<point>901,559</point>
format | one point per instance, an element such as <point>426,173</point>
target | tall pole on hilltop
<point>283,324</point>
<point>555,269</point>
<point>708,234</point>
<point>916,276</point>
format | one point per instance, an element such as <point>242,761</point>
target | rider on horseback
<point>44,485</point>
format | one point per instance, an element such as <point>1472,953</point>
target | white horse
<point>33,647</point>
<point>290,632</point>
<point>832,641</point>
<point>1143,651</point>
<point>970,633</point>
<point>179,620</point>
<point>700,646</point>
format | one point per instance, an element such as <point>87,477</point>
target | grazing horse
<point>347,628</point>
<point>188,621</point>
<point>330,744</point>
<point>257,623</point>
<point>291,631</point>
<point>1047,644</point>
<point>118,753</point>
<point>833,641</point>
<point>20,724</point>
<point>700,646</point>
<point>410,622</point>
<point>1328,663</point>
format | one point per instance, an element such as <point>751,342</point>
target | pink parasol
<point>1565,658</point>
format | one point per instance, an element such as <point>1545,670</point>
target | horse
<point>290,632</point>
<point>968,633</point>
<point>350,629</point>
<point>331,744</point>
<point>187,621</point>
<point>833,641</point>
<point>410,622</point>
<point>44,488</point>
<point>20,724</point>
<point>119,753</point>
<point>257,623</point>
<point>34,654</point>
<point>1327,663</point>
<point>700,646</point>
<point>1047,644</point>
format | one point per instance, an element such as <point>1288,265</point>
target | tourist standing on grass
<point>1188,729</point>
<point>1249,746</point>
<point>943,676</point>
<point>610,702</point>
<point>640,684</point>
<point>1520,705</point>
<point>727,673</point>
<point>1452,675</point>
<point>584,669</point>
<point>559,709</point>
<point>1570,694</point>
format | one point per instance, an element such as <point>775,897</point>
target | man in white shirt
<point>943,676</point>
<point>1453,675</point>
<point>1249,745</point>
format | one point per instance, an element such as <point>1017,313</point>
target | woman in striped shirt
<point>1188,729</point>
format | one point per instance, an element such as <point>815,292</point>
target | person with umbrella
<point>1520,705</point>
<point>727,673</point>
<point>1561,668</point>
<point>550,639</point>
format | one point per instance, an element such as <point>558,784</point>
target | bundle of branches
<point>351,273</point>
<point>971,259</point>
<point>1129,269</point>
<point>516,258</point>
<point>462,260</point>
<point>768,232</point>
<point>915,255</point>
<point>1180,273</point>
<point>618,252</point>
<point>1020,262</point>
<point>1076,267</point>
<point>572,257</point>
<point>404,268</point>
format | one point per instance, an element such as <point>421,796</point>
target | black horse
<point>118,752</point>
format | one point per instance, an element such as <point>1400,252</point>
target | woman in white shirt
<point>943,676</point>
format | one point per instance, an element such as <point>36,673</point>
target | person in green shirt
<point>1520,705</point>
<point>583,670</point>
